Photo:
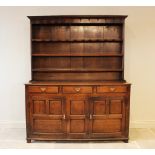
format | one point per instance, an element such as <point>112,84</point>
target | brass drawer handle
<point>112,89</point>
<point>90,116</point>
<point>77,89</point>
<point>64,116</point>
<point>43,89</point>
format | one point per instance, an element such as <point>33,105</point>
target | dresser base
<point>77,111</point>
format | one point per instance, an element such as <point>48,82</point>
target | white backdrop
<point>15,58</point>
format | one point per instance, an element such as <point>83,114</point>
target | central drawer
<point>77,89</point>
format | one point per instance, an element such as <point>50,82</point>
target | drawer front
<point>110,89</point>
<point>43,89</point>
<point>77,89</point>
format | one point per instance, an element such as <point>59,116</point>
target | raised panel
<point>77,107</point>
<point>99,107</point>
<point>47,126</point>
<point>106,126</point>
<point>77,126</point>
<point>55,107</point>
<point>115,106</point>
<point>39,106</point>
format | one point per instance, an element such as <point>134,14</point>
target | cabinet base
<point>78,140</point>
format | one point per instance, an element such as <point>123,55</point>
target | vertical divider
<point>47,107</point>
<point>107,107</point>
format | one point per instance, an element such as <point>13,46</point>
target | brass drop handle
<point>43,89</point>
<point>77,89</point>
<point>64,116</point>
<point>112,89</point>
<point>90,116</point>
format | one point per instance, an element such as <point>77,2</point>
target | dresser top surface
<point>77,83</point>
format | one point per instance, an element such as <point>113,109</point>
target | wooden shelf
<point>78,41</point>
<point>75,70</point>
<point>79,55</point>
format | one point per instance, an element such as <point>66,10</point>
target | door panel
<point>77,112</point>
<point>115,106</point>
<point>77,107</point>
<point>99,107</point>
<point>48,126</point>
<point>107,116</point>
<point>39,106</point>
<point>55,107</point>
<point>47,115</point>
<point>106,125</point>
<point>77,125</point>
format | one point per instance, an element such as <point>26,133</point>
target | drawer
<point>110,89</point>
<point>77,89</point>
<point>43,89</point>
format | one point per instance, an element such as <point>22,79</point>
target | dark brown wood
<point>28,140</point>
<point>77,91</point>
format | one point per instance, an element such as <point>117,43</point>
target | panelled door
<point>48,116</point>
<point>77,116</point>
<point>107,116</point>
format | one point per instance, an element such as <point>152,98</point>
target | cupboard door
<point>47,115</point>
<point>77,112</point>
<point>107,117</point>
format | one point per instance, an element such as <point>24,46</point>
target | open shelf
<point>88,48</point>
<point>75,70</point>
